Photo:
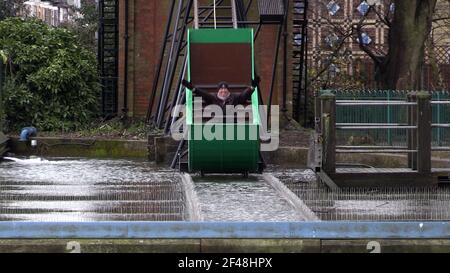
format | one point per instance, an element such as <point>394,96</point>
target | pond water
<point>79,189</point>
<point>232,198</point>
<point>68,189</point>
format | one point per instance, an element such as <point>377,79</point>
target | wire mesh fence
<point>368,204</point>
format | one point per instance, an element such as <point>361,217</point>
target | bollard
<point>328,124</point>
<point>424,132</point>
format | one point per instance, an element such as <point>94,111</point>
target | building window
<point>333,7</point>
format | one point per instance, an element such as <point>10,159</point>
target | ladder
<point>300,51</point>
<point>108,55</point>
<point>222,16</point>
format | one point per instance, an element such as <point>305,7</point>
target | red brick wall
<point>265,54</point>
<point>146,26</point>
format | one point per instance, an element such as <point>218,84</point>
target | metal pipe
<point>234,14</point>
<point>374,101</point>
<point>217,6</point>
<point>160,63</point>
<point>196,14</point>
<point>372,147</point>
<point>215,13</point>
<point>441,102</point>
<point>240,11</point>
<point>305,41</point>
<point>173,63</point>
<point>228,22</point>
<point>214,86</point>
<point>372,124</point>
<point>441,149</point>
<point>374,151</point>
<point>285,57</point>
<point>363,103</point>
<point>27,132</point>
<point>374,127</point>
<point>176,156</point>
<point>439,130</point>
<point>180,101</point>
<point>125,84</point>
<point>176,97</point>
<point>440,125</point>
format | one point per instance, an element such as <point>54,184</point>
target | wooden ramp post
<point>424,132</point>
<point>328,116</point>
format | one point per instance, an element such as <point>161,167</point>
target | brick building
<point>53,12</point>
<point>331,20</point>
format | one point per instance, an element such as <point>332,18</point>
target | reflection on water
<point>232,198</point>
<point>88,190</point>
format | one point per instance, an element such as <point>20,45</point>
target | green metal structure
<point>236,149</point>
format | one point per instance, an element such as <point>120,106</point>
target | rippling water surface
<point>62,189</point>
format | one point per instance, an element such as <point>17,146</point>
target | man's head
<point>223,93</point>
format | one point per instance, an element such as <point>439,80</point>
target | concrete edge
<point>192,204</point>
<point>304,211</point>
<point>192,246</point>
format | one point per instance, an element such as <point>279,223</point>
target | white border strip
<point>306,213</point>
<point>192,204</point>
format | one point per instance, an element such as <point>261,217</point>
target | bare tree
<point>398,64</point>
<point>409,30</point>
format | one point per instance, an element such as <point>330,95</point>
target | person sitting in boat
<point>223,96</point>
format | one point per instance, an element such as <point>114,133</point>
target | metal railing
<point>391,113</point>
<point>416,118</point>
<point>441,123</point>
<point>370,104</point>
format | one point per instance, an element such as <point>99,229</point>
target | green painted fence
<point>386,114</point>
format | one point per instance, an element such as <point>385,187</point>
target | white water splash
<point>32,160</point>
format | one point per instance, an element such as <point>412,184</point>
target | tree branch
<point>376,58</point>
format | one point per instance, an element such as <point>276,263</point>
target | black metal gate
<point>108,55</point>
<point>300,53</point>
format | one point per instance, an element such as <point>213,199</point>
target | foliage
<point>111,129</point>
<point>52,81</point>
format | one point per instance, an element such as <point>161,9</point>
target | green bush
<point>52,81</point>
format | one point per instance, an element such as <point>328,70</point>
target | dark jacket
<point>233,99</point>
